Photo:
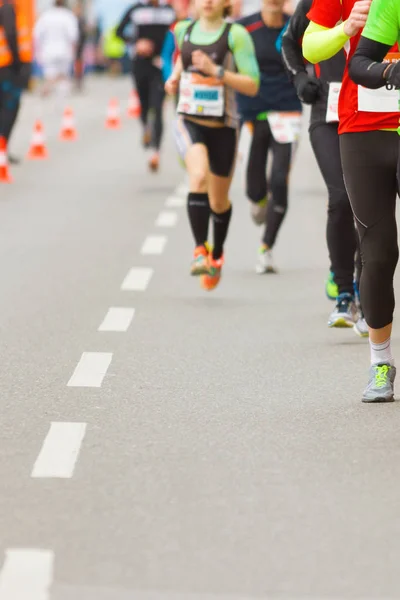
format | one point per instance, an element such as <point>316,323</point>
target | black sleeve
<point>366,67</point>
<point>10,31</point>
<point>125,21</point>
<point>292,54</point>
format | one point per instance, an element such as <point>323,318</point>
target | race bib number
<point>332,109</point>
<point>384,99</point>
<point>285,127</point>
<point>201,96</point>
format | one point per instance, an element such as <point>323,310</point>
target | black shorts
<point>221,144</point>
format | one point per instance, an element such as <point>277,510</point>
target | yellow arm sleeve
<point>320,43</point>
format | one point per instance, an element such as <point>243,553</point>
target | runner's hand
<point>203,63</point>
<point>171,86</point>
<point>307,88</point>
<point>144,48</point>
<point>357,18</point>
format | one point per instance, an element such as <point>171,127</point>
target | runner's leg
<point>369,165</point>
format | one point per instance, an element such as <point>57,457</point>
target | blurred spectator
<point>56,36</point>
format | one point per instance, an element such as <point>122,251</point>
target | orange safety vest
<point>24,33</point>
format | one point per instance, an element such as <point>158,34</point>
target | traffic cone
<point>38,150</point>
<point>134,108</point>
<point>113,115</point>
<point>5,176</point>
<point>68,131</point>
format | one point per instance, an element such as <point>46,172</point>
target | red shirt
<point>328,13</point>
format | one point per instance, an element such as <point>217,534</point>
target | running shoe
<point>361,327</point>
<point>380,387</point>
<point>331,289</point>
<point>265,263</point>
<point>200,261</point>
<point>345,313</point>
<point>213,277</point>
<point>154,161</point>
<point>258,211</point>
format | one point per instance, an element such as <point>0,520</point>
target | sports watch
<point>220,72</point>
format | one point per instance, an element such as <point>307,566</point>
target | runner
<point>79,70</point>
<point>216,60</point>
<point>274,118</point>
<point>321,90</point>
<point>369,152</point>
<point>56,36</point>
<point>15,64</point>
<point>151,21</point>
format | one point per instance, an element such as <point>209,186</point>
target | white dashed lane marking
<point>91,369</point>
<point>154,244</point>
<point>137,279</point>
<point>27,574</point>
<point>60,451</point>
<point>167,218</point>
<point>117,319</point>
<point>175,202</point>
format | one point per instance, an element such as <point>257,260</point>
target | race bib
<point>201,96</point>
<point>384,99</point>
<point>285,126</point>
<point>332,109</point>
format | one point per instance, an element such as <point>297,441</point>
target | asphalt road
<point>199,446</point>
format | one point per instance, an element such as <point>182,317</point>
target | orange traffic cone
<point>38,149</point>
<point>5,176</point>
<point>68,130</point>
<point>113,115</point>
<point>134,108</point>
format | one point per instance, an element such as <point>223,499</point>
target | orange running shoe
<point>154,162</point>
<point>212,278</point>
<point>200,262</point>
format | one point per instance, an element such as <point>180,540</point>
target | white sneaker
<point>258,211</point>
<point>361,327</point>
<point>265,262</point>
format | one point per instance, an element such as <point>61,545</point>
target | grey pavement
<point>227,454</point>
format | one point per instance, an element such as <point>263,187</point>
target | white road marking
<point>137,279</point>
<point>60,450</point>
<point>175,202</point>
<point>27,574</point>
<point>117,319</point>
<point>167,218</point>
<point>182,189</point>
<point>91,369</point>
<point>154,244</point>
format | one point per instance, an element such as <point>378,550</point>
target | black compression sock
<point>198,208</point>
<point>221,226</point>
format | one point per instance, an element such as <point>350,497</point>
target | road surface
<point>162,443</point>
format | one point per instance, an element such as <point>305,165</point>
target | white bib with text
<point>201,96</point>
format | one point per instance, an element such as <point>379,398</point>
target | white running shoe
<point>265,263</point>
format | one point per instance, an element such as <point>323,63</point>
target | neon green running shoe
<point>331,289</point>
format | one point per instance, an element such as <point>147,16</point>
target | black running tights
<point>150,88</point>
<point>369,162</point>
<point>341,234</point>
<point>256,179</point>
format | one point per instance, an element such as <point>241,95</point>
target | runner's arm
<point>366,67</point>
<point>125,21</point>
<point>167,54</point>
<point>379,35</point>
<point>177,70</point>
<point>291,52</point>
<point>321,43</point>
<point>247,79</point>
